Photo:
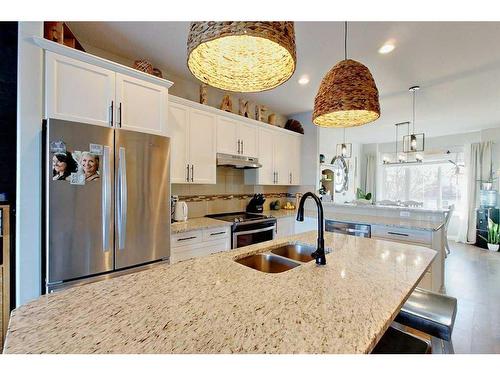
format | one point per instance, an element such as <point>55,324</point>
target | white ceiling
<point>457,66</point>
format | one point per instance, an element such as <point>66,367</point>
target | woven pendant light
<point>242,56</point>
<point>347,95</point>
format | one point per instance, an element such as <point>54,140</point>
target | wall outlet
<point>404,213</point>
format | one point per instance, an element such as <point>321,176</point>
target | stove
<point>239,217</point>
<point>248,228</point>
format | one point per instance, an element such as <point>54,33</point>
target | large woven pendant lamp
<point>347,95</point>
<point>242,56</point>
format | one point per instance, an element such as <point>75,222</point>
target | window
<point>437,184</point>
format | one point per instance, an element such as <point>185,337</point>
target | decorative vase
<point>493,247</point>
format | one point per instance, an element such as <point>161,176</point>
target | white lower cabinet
<point>199,243</point>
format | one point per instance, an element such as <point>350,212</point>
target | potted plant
<point>493,235</point>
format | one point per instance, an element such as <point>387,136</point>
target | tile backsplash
<point>229,194</point>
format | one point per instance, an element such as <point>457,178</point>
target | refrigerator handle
<point>122,194</point>
<point>106,199</point>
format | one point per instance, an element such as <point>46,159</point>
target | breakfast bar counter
<point>213,304</point>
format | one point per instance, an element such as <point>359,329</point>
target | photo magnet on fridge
<point>57,146</point>
<point>95,149</point>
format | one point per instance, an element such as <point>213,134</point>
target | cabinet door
<point>141,105</point>
<point>295,159</point>
<point>77,91</point>
<point>282,158</point>
<point>202,150</point>
<point>247,134</point>
<point>227,141</point>
<point>265,174</point>
<point>178,120</point>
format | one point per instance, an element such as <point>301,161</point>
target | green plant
<point>360,194</point>
<point>493,233</point>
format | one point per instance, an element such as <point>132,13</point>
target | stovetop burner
<point>238,217</point>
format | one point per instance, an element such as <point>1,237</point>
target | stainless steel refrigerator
<point>107,201</point>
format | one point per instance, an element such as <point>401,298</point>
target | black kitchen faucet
<point>319,254</point>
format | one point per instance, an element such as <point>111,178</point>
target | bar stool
<point>395,341</point>
<point>431,313</point>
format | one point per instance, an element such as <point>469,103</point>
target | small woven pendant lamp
<point>347,95</point>
<point>242,56</point>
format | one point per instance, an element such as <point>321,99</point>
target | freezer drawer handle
<point>399,234</point>
<point>106,199</point>
<point>122,198</point>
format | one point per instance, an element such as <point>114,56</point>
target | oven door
<point>252,234</point>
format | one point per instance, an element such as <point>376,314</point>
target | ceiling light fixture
<point>242,56</point>
<point>347,95</point>
<point>401,157</point>
<point>344,149</point>
<point>413,142</point>
<point>304,80</point>
<point>387,48</point>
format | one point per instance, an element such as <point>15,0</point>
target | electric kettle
<point>180,211</point>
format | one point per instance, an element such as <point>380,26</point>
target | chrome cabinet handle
<point>106,199</point>
<point>122,198</point>
<point>399,234</point>
<point>187,172</point>
<point>186,238</point>
<point>112,113</point>
<point>192,173</point>
<point>217,233</point>
<point>120,114</point>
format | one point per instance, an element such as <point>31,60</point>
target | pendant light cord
<point>414,92</point>
<point>345,40</point>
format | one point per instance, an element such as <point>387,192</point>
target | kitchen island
<point>214,305</point>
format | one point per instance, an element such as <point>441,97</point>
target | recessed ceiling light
<point>304,80</point>
<point>387,47</point>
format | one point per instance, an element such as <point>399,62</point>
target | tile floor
<point>472,275</point>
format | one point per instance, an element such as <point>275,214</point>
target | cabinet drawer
<point>216,233</point>
<point>401,234</point>
<point>186,238</point>
<point>198,250</point>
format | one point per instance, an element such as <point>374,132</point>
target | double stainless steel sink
<point>280,259</point>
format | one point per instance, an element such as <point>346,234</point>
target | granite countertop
<point>196,224</point>
<point>389,207</point>
<point>215,305</point>
<point>364,219</point>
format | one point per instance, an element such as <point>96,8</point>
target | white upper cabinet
<point>178,120</point>
<point>202,150</point>
<point>83,92</point>
<point>78,91</point>
<point>141,105</point>
<point>279,153</point>
<point>235,137</point>
<point>247,135</point>
<point>193,138</point>
<point>227,136</point>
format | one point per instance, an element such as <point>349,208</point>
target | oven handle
<point>236,234</point>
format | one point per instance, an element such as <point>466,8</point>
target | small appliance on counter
<point>173,201</point>
<point>256,204</point>
<point>180,211</point>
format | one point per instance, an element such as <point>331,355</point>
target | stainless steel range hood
<point>237,161</point>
